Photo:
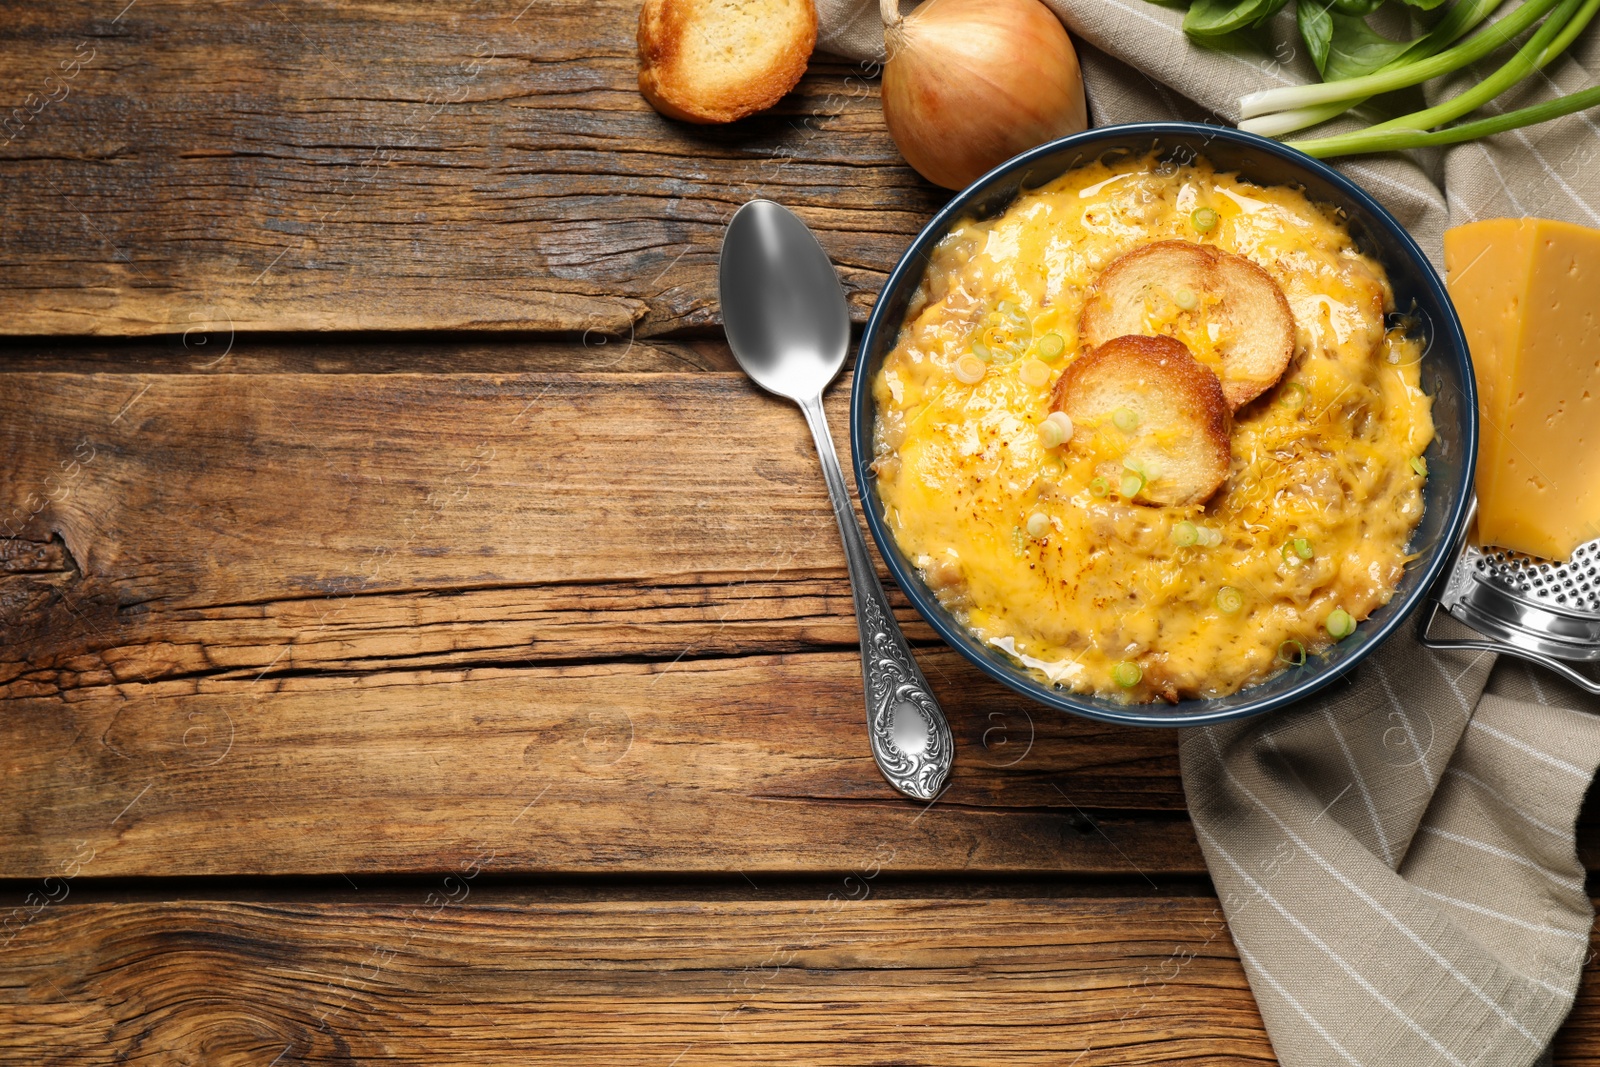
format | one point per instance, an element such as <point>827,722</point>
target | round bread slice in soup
<point>1228,301</point>
<point>1157,409</point>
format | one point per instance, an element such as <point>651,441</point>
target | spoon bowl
<point>782,305</point>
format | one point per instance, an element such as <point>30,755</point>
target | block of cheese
<point>1528,292</point>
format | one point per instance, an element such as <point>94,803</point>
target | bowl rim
<point>953,634</point>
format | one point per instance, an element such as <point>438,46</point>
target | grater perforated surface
<point>1572,588</point>
<point>1535,608</point>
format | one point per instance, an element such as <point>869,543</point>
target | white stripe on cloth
<point>1533,679</point>
<point>1527,142</point>
<point>1454,682</point>
<point>1371,901</point>
<point>1538,928</point>
<point>1277,987</point>
<point>1405,721</point>
<point>1543,757</point>
<point>1540,824</point>
<point>1501,178</point>
<point>1410,191</point>
<point>1327,950</point>
<point>1505,854</point>
<point>1178,35</point>
<point>1361,784</point>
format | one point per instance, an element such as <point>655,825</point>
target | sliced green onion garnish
<point>1034,372</point>
<point>1420,465</point>
<point>1293,396</point>
<point>1127,674</point>
<point>1099,487</point>
<point>1038,524</point>
<point>1185,298</point>
<point>1205,219</point>
<point>1185,534</point>
<point>1210,537</point>
<point>1340,624</point>
<point>1302,548</point>
<point>1125,420</point>
<point>1148,469</point>
<point>1292,653</point>
<point>1063,424</point>
<point>1051,346</point>
<point>1130,484</point>
<point>1050,434</point>
<point>969,369</point>
<point>981,350</point>
<point>1229,600</point>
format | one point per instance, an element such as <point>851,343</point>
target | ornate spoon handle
<point>909,735</point>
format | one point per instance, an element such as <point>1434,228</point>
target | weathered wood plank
<point>310,165</point>
<point>208,351</point>
<point>363,614</point>
<point>225,526</point>
<point>752,764</point>
<point>369,617</point>
<point>824,981</point>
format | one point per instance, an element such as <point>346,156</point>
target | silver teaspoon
<point>787,323</point>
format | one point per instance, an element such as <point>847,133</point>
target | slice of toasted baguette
<point>1182,421</point>
<point>1254,326</point>
<point>720,60</point>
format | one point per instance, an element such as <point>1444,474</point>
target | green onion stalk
<point>1460,20</point>
<point>1551,39</point>
<point>1395,140</point>
<point>1349,90</point>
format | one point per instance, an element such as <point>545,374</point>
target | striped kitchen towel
<point>1396,858</point>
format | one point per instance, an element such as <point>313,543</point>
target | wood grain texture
<point>360,620</point>
<point>312,165</point>
<point>832,980</point>
<point>313,623</point>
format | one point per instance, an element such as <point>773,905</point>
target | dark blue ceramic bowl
<point>1446,376</point>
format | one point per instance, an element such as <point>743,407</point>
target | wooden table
<point>421,645</point>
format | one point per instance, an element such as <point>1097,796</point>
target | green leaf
<point>1356,49</point>
<point>1359,8</point>
<point>1209,19</point>
<point>1425,5</point>
<point>1316,29</point>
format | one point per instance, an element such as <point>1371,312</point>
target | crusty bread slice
<point>1182,419</point>
<point>1255,328</point>
<point>720,60</point>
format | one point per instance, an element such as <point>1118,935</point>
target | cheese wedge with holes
<point>1528,292</point>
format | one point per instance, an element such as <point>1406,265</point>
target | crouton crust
<point>1250,308</point>
<point>1184,421</point>
<point>712,61</point>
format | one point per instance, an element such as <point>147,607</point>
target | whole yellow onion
<point>970,83</point>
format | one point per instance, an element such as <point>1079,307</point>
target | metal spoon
<point>786,319</point>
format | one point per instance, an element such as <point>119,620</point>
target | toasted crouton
<point>1178,418</point>
<point>1254,332</point>
<point>720,60</point>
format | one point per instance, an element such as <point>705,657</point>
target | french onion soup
<point>1149,432</point>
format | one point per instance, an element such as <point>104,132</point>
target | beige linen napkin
<point>1396,858</point>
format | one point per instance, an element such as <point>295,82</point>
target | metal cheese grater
<point>1546,613</point>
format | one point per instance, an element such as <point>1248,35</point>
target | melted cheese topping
<point>1037,551</point>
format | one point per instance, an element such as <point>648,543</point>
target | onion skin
<point>970,83</point>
